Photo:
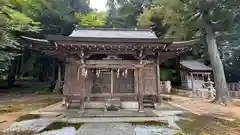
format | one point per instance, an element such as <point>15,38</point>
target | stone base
<point>101,105</point>
<point>129,105</point>
<point>95,105</point>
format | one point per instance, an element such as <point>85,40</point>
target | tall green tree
<point>213,20</point>
<point>80,6</point>
<point>90,19</point>
<point>12,22</point>
<point>125,13</point>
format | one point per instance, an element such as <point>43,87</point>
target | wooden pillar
<point>66,101</point>
<point>59,72</point>
<point>140,91</point>
<point>136,80</point>
<point>159,88</point>
<point>82,89</point>
<point>178,70</point>
<point>192,80</point>
<point>112,78</point>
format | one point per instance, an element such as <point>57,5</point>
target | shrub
<point>28,117</point>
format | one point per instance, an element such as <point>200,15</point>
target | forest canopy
<point>215,23</point>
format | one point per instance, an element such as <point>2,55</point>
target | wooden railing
<point>234,86</point>
<point>234,91</point>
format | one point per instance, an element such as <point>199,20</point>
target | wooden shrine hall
<point>105,63</point>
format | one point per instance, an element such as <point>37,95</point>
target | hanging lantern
<point>123,73</point>
<point>83,72</point>
<point>86,73</point>
<point>126,73</point>
<point>98,73</point>
<point>118,73</point>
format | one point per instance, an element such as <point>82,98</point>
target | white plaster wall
<point>197,84</point>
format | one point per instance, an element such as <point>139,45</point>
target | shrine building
<point>102,63</point>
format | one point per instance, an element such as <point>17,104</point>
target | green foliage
<point>183,17</point>
<point>150,123</point>
<point>90,19</point>
<point>124,13</point>
<point>184,20</point>
<point>55,16</point>
<point>179,133</point>
<point>37,90</point>
<point>171,15</point>
<point>13,20</point>
<point>59,125</point>
<point>166,74</point>
<point>208,125</point>
<point>81,6</point>
<point>28,117</point>
<point>36,18</point>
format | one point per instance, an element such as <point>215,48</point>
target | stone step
<point>147,101</point>
<point>145,105</point>
<point>147,97</point>
<point>149,107</point>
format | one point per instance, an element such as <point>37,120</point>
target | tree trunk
<point>53,75</point>
<point>12,73</point>
<point>222,95</point>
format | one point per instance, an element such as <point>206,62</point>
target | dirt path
<point>209,118</point>
<point>18,105</point>
<point>8,119</point>
<point>200,107</point>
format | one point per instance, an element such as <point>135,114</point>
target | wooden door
<point>124,84</point>
<point>102,84</point>
<point>149,80</point>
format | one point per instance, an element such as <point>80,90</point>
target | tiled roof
<point>114,33</point>
<point>195,65</point>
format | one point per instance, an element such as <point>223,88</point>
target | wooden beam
<point>109,40</point>
<point>110,66</point>
<point>112,62</point>
<point>109,94</point>
<point>112,52</point>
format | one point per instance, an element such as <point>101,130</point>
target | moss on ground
<point>150,123</point>
<point>28,105</point>
<point>9,109</point>
<point>208,125</point>
<point>37,90</point>
<point>179,133</point>
<point>28,117</point>
<point>59,125</point>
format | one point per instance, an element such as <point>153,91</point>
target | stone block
<point>129,105</point>
<point>106,129</point>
